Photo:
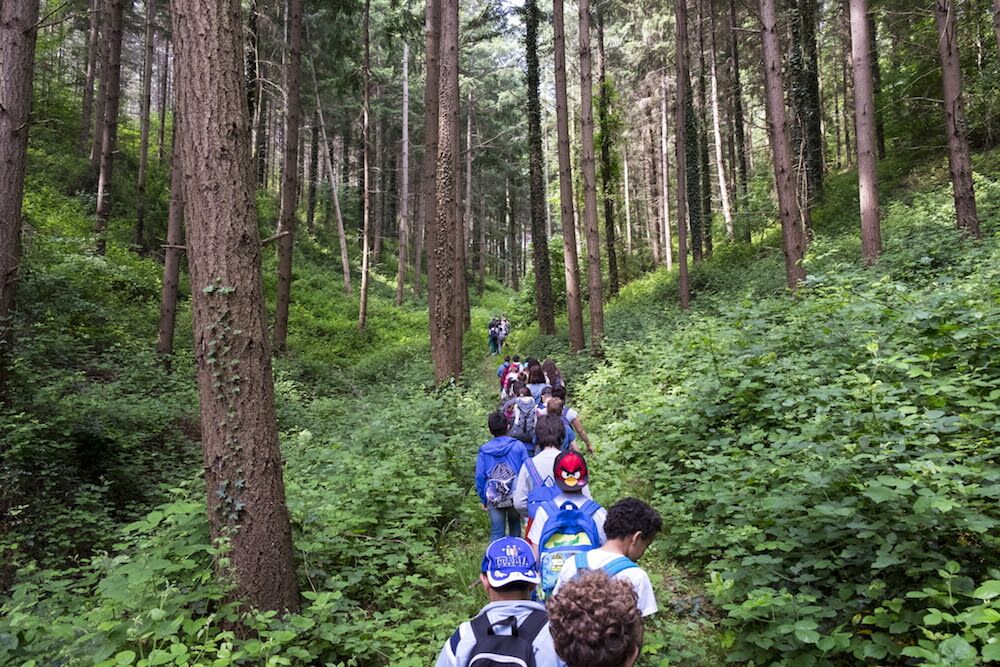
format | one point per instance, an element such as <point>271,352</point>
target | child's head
<point>635,524</point>
<point>555,406</point>
<point>595,620</point>
<point>509,570</point>
<point>570,471</point>
<point>559,392</point>
<point>549,431</point>
<point>536,375</point>
<point>506,359</point>
<point>523,391</point>
<point>517,358</point>
<point>497,423</point>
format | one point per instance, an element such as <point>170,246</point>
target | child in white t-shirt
<point>630,527</point>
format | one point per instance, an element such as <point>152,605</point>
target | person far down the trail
<point>497,465</point>
<point>493,335</point>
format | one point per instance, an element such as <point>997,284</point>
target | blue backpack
<point>616,566</point>
<point>568,530</point>
<point>542,491</point>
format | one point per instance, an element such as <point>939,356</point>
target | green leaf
<point>125,658</point>
<point>991,652</point>
<point>956,649</point>
<point>988,590</point>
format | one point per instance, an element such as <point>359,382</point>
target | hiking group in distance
<point>570,593</point>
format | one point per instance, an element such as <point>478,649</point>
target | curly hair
<point>595,620</point>
<point>631,515</point>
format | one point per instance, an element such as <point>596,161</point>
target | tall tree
<point>314,176</point>
<point>864,122</point>
<point>404,194</point>
<point>242,459</point>
<point>589,170</point>
<point>805,94</point>
<point>777,125</point>
<point>432,77</point>
<point>109,135</point>
<point>959,160</point>
<point>172,252</point>
<point>657,165</point>
<point>737,93</point>
<point>289,170</point>
<point>366,175</point>
<point>668,245</point>
<point>18,30</point>
<point>144,112</point>
<point>720,163</point>
<point>447,323</point>
<point>570,258</point>
<point>996,21</point>
<point>681,123</point>
<point>609,186</point>
<point>544,305</point>
<point>93,33</point>
<point>701,128</point>
<point>101,99</point>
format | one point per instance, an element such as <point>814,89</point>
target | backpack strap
<point>533,471</point>
<point>581,562</point>
<point>590,507</point>
<point>529,628</point>
<point>483,628</point>
<point>619,565</point>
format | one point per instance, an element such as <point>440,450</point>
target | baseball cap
<point>570,471</point>
<point>509,560</point>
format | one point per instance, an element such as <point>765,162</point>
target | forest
<point>250,251</point>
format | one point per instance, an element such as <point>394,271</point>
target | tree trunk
<point>959,161</point>
<point>589,171</point>
<point>656,163</point>
<point>172,253</point>
<point>462,247</point>
<point>720,163</point>
<point>544,308</point>
<point>18,30</point>
<point>334,187</point>
<point>88,85</point>
<point>404,194</point>
<point>681,141</point>
<point>811,110</point>
<point>314,176</point>
<point>628,206</point>
<point>693,178</point>
<point>741,143</point>
<point>666,237</point>
<point>570,258</point>
<point>432,77</point>
<point>144,111</point>
<point>242,459</point>
<point>109,136</point>
<point>784,177</point>
<point>366,196</point>
<point>996,21</point>
<point>289,172</point>
<point>609,184</point>
<point>102,88</point>
<point>162,106</point>
<point>448,326</point>
<point>864,119</point>
<point>704,172</point>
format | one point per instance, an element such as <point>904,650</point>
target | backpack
<point>525,418</point>
<point>560,538</point>
<point>612,568</point>
<point>542,491</point>
<point>500,485</point>
<point>493,650</point>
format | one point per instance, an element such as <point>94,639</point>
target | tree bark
<point>959,160</point>
<point>404,194</point>
<point>242,459</point>
<point>680,123</point>
<point>144,113</point>
<point>864,119</point>
<point>589,171</point>
<point>694,181</point>
<point>544,302</point>
<point>445,302</point>
<point>93,34</point>
<point>628,205</point>
<point>18,30</point>
<point>704,169</point>
<point>313,176</point>
<point>366,197</point>
<point>570,258</point>
<point>668,245</point>
<point>432,78</point>
<point>172,253</point>
<point>720,162</point>
<point>784,177</point>
<point>289,172</point>
<point>609,185</point>
<point>656,164</point>
<point>109,136</point>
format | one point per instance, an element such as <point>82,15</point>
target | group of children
<point>497,332</point>
<point>571,593</point>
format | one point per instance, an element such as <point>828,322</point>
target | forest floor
<point>825,462</point>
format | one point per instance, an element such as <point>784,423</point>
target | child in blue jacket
<point>497,465</point>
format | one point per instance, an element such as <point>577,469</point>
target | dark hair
<point>523,391</point>
<point>595,620</point>
<point>522,587</point>
<point>498,423</point>
<point>515,388</point>
<point>536,375</point>
<point>549,431</point>
<point>551,371</point>
<point>517,358</point>
<point>507,358</point>
<point>629,516</point>
<point>559,392</point>
<point>546,391</point>
<point>531,361</point>
<point>555,407</point>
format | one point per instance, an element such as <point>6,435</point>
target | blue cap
<point>509,560</point>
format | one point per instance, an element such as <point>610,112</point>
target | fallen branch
<point>271,239</point>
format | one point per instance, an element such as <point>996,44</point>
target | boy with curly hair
<point>595,620</point>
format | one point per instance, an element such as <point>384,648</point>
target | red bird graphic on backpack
<point>570,471</point>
